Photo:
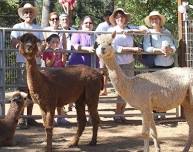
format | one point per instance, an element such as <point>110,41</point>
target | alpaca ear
<point>113,34</point>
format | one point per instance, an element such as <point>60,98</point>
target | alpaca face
<point>104,47</point>
<point>20,99</point>
<point>28,45</point>
<point>17,104</point>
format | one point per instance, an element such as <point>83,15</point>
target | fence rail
<point>9,68</point>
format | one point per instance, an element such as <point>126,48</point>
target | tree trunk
<point>45,13</point>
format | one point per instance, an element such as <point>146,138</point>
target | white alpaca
<point>160,91</point>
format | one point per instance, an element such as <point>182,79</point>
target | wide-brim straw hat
<point>27,6</point>
<point>112,17</point>
<point>154,13</point>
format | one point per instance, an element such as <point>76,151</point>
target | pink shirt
<point>57,56</point>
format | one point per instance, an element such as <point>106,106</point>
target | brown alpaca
<point>8,124</point>
<point>53,88</point>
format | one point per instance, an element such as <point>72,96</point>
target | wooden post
<point>182,46</point>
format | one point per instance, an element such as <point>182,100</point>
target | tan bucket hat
<point>154,13</point>
<point>112,17</point>
<point>27,6</point>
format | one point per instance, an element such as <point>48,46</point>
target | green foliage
<point>139,9</point>
<point>8,11</point>
<point>93,8</point>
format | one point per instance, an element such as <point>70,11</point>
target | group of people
<point>54,55</point>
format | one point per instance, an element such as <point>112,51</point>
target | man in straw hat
<point>123,43</point>
<point>27,13</point>
<point>160,41</point>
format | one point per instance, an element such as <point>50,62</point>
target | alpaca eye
<point>110,43</point>
<point>96,45</point>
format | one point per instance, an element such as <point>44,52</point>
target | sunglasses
<point>54,19</point>
<point>88,23</point>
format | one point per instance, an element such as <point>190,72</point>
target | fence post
<point>2,72</point>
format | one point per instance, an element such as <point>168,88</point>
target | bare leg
<point>119,112</point>
<point>104,91</point>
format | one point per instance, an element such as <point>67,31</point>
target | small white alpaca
<point>161,90</point>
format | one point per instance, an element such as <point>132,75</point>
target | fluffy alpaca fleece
<point>51,88</point>
<point>8,124</point>
<point>161,90</point>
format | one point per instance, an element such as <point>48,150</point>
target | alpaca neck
<point>33,75</point>
<point>13,114</point>
<point>119,80</point>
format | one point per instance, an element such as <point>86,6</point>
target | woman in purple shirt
<point>83,42</point>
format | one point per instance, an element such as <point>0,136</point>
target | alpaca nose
<point>28,47</point>
<point>103,50</point>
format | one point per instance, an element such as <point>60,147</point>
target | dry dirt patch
<point>111,138</point>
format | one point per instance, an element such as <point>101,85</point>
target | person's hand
<point>137,50</point>
<point>143,28</point>
<point>159,51</point>
<point>90,49</point>
<point>168,51</point>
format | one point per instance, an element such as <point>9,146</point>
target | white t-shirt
<point>120,41</point>
<point>17,34</point>
<point>104,26</point>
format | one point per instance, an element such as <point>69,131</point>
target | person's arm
<point>89,49</point>
<point>131,49</point>
<point>135,29</point>
<point>123,49</point>
<point>48,57</point>
<point>77,46</point>
<point>64,41</point>
<point>14,42</point>
<point>64,58</point>
<point>15,35</point>
<point>171,48</point>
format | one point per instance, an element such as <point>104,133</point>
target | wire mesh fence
<point>9,67</point>
<point>188,39</point>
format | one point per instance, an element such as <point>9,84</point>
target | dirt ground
<point>112,137</point>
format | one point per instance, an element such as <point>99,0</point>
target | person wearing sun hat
<point>160,41</point>
<point>123,43</point>
<point>27,13</point>
<point>154,13</point>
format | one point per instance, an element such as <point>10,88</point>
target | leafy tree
<point>8,9</point>
<point>139,9</point>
